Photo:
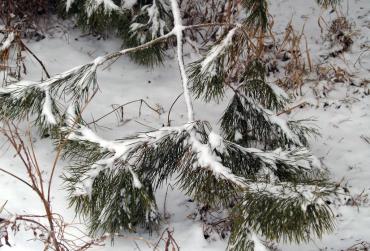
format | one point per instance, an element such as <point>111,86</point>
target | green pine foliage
<point>150,22</point>
<point>144,21</point>
<point>208,85</point>
<point>211,74</point>
<point>284,214</point>
<point>211,170</point>
<point>25,99</point>
<point>257,13</point>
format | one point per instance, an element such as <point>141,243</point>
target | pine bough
<point>279,193</point>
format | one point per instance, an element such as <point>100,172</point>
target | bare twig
<point>169,112</point>
<point>142,101</point>
<point>37,59</point>
<point>291,108</point>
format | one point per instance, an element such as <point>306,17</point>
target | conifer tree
<point>259,163</point>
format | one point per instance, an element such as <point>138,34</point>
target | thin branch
<point>38,60</point>
<point>119,107</point>
<point>169,112</point>
<point>291,108</point>
<point>18,178</point>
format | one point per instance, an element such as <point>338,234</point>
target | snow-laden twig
<point>207,159</point>
<point>155,24</point>
<point>298,158</point>
<point>217,51</point>
<point>270,117</point>
<point>47,108</point>
<point>120,149</point>
<point>79,76</point>
<point>109,6</point>
<point>178,30</point>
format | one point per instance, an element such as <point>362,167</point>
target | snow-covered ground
<point>342,113</point>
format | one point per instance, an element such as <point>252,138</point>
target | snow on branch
<point>47,108</point>
<point>296,158</point>
<point>207,159</point>
<point>121,150</point>
<point>178,30</point>
<point>309,194</point>
<point>26,97</point>
<point>16,101</point>
<point>204,153</point>
<point>245,107</point>
<point>274,119</point>
<point>156,23</point>
<point>93,5</point>
<point>217,51</point>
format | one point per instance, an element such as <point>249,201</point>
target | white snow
<point>154,19</point>
<point>69,4</point>
<point>207,159</point>
<point>258,245</point>
<point>216,141</point>
<point>128,4</point>
<point>47,109</point>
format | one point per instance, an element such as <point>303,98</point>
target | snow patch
<point>258,245</point>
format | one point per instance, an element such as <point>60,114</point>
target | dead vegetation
<point>340,34</point>
<point>360,246</point>
<point>49,228</point>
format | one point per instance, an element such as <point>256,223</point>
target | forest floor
<point>340,106</point>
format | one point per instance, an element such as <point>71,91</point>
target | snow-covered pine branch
<point>121,153</point>
<point>244,108</point>
<point>305,208</point>
<point>208,74</point>
<point>24,98</point>
<point>157,23</point>
<point>91,6</point>
<point>200,160</point>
